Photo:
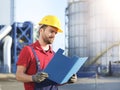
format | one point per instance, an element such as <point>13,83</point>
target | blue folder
<point>61,67</point>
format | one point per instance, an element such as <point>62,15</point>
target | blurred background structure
<point>91,30</point>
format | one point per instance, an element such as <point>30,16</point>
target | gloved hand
<point>73,79</point>
<point>39,77</point>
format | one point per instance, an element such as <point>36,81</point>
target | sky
<point>34,10</point>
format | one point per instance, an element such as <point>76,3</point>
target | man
<point>28,70</point>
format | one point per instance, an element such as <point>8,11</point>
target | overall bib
<point>46,84</point>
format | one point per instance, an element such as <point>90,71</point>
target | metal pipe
<point>7,40</point>
<point>7,53</point>
<point>4,31</point>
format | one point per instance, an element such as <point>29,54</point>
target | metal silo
<point>93,31</point>
<point>76,30</point>
<point>104,32</point>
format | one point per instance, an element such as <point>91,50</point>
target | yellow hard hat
<point>52,21</point>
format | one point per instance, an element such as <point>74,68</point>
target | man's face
<point>48,34</point>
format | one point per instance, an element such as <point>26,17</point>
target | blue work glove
<point>39,77</point>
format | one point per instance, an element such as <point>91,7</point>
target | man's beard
<point>49,40</point>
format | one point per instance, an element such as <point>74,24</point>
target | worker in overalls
<point>34,58</point>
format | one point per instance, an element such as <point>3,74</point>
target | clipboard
<point>61,68</point>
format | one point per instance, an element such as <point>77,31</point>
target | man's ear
<point>42,29</point>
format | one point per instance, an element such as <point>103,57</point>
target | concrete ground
<point>10,85</point>
<point>102,83</point>
<point>8,82</point>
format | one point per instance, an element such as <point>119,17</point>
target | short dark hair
<point>44,26</point>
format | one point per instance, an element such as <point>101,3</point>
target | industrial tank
<point>76,31</point>
<point>104,32</point>
<point>93,30</point>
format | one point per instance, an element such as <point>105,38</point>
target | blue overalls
<point>46,84</point>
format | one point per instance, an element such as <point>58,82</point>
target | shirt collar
<point>37,45</point>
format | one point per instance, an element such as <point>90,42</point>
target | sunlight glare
<point>113,9</point>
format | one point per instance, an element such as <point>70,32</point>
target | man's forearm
<point>24,77</point>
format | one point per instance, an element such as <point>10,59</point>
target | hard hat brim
<point>59,30</point>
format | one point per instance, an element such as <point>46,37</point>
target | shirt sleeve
<point>24,57</point>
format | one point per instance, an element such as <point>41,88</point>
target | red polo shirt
<point>27,59</point>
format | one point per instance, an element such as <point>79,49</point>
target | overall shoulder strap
<point>36,57</point>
